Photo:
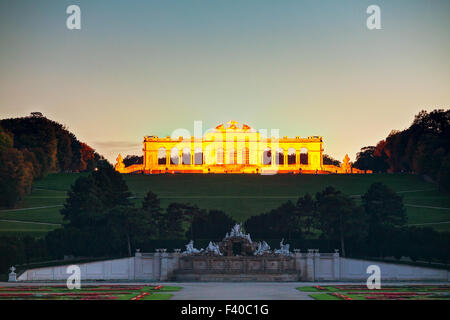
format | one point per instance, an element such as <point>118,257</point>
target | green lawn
<point>241,196</point>
<point>324,296</point>
<point>35,230</point>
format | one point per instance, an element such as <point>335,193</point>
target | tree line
<point>101,219</point>
<point>30,148</point>
<point>423,148</point>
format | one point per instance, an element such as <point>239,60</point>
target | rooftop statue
<point>119,163</point>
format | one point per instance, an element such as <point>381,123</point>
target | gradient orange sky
<point>149,67</point>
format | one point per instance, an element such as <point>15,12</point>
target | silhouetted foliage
<point>99,215</point>
<point>280,222</point>
<point>131,159</point>
<point>330,160</point>
<point>339,217</point>
<point>31,147</point>
<point>212,224</point>
<point>423,148</point>
<point>383,206</point>
<point>366,159</point>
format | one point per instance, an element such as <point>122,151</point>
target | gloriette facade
<point>231,148</point>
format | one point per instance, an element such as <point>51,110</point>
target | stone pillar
<point>297,158</point>
<point>273,160</point>
<point>157,265</point>
<point>310,266</point>
<point>298,263</point>
<point>316,264</point>
<point>137,265</point>
<point>12,276</point>
<point>175,261</point>
<point>180,158</point>
<point>285,160</point>
<point>336,265</point>
<point>164,265</point>
<point>168,157</point>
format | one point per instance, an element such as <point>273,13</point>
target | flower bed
<point>339,295</point>
<point>88,292</point>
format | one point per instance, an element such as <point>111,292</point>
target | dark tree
<point>366,159</point>
<point>212,224</point>
<point>132,159</point>
<point>330,160</point>
<point>306,208</point>
<point>151,205</point>
<point>339,217</point>
<point>175,221</point>
<point>130,224</point>
<point>282,222</point>
<point>383,206</point>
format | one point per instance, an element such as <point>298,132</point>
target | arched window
<point>279,157</point>
<point>219,156</point>
<point>291,156</point>
<point>303,156</point>
<point>174,156</point>
<point>198,156</point>
<point>186,156</point>
<point>267,157</point>
<point>245,156</point>
<point>162,156</point>
<point>233,156</point>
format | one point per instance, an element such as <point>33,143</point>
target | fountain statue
<point>263,248</point>
<point>213,248</point>
<point>284,249</point>
<point>190,248</point>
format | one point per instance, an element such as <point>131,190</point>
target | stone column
<point>316,264</point>
<point>137,265</point>
<point>297,158</point>
<point>168,157</point>
<point>298,263</point>
<point>336,265</point>
<point>273,158</point>
<point>164,265</point>
<point>310,266</point>
<point>157,265</point>
<point>180,161</point>
<point>285,162</point>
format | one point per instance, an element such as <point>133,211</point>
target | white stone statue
<point>236,231</point>
<point>12,276</point>
<point>262,249</point>
<point>190,248</point>
<point>284,249</point>
<point>213,248</point>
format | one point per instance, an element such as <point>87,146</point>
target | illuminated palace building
<point>232,148</point>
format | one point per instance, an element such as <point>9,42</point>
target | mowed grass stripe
<point>46,215</point>
<point>17,228</point>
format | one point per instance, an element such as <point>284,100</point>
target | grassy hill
<point>241,196</point>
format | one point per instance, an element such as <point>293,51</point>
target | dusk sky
<point>149,67</point>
